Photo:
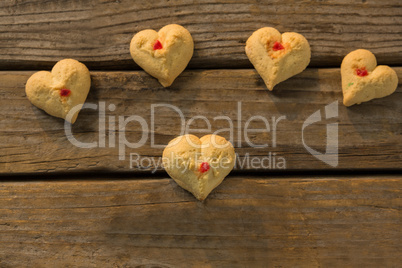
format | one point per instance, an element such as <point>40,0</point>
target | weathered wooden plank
<point>370,134</point>
<point>245,222</point>
<point>36,34</point>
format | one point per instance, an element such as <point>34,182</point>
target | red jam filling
<point>204,167</point>
<point>277,46</point>
<point>157,45</point>
<point>361,72</point>
<point>64,92</point>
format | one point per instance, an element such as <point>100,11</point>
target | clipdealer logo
<point>330,156</point>
<point>116,127</point>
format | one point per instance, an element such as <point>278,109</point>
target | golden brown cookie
<point>199,165</point>
<point>164,54</point>
<point>363,80</point>
<point>64,88</point>
<point>276,56</point>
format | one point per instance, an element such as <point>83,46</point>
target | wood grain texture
<point>36,34</point>
<point>245,222</point>
<point>370,134</point>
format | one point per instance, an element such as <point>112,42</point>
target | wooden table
<point>64,206</point>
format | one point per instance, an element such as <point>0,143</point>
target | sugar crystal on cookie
<point>361,72</point>
<point>277,46</point>
<point>204,167</point>
<point>64,92</point>
<point>158,45</point>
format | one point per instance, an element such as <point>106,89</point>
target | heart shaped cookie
<point>363,80</point>
<point>199,165</point>
<point>58,92</point>
<point>164,54</point>
<point>277,57</point>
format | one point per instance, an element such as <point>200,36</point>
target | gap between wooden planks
<point>36,34</point>
<point>246,222</point>
<point>370,134</point>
